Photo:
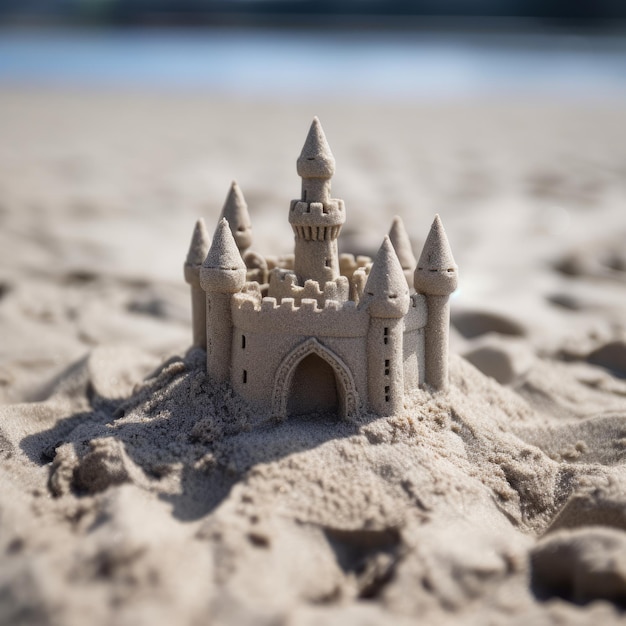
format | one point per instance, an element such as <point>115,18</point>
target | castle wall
<point>413,358</point>
<point>255,382</point>
<point>265,332</point>
<point>417,316</point>
<point>414,342</point>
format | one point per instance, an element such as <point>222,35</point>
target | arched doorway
<point>313,388</point>
<point>311,378</point>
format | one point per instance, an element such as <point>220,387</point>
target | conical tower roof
<point>316,159</point>
<point>223,253</point>
<point>402,244</point>
<point>436,254</point>
<point>386,291</point>
<point>235,210</point>
<point>436,271</point>
<point>199,246</point>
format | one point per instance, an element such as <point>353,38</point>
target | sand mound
<point>611,355</point>
<point>476,323</point>
<point>601,505</point>
<point>507,361</point>
<point>584,565</point>
<point>275,519</point>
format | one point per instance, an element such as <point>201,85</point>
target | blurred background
<point>375,48</point>
<point>122,121</point>
<point>294,12</point>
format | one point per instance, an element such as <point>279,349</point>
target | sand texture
<point>135,492</point>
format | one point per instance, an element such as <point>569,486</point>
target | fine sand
<point>134,492</point>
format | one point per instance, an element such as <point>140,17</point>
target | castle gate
<point>312,378</point>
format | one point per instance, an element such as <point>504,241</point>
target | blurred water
<point>299,65</point>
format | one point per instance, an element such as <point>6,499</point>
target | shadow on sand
<point>161,437</point>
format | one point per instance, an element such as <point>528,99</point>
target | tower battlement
<point>328,216</point>
<point>328,332</point>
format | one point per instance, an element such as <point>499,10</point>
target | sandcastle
<point>318,331</point>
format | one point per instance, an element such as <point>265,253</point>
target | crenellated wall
<point>348,263</point>
<point>266,332</point>
<point>286,261</point>
<point>284,284</point>
<point>266,315</point>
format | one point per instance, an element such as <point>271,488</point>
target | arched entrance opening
<point>313,388</point>
<point>313,379</point>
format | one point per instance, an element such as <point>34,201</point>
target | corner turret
<point>235,211</point>
<point>198,249</point>
<point>316,218</point>
<point>436,276</point>
<point>386,297</point>
<point>402,245</point>
<point>223,270</point>
<point>223,274</point>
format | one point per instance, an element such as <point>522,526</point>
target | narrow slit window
<point>386,367</point>
<point>386,393</point>
<point>304,195</point>
<point>244,378</point>
<point>327,262</point>
<point>386,335</point>
<point>243,342</point>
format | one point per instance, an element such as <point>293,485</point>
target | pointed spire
<point>224,254</point>
<point>436,254</point>
<point>316,159</point>
<point>235,210</point>
<point>199,246</point>
<point>436,272</point>
<point>386,290</point>
<point>402,244</point>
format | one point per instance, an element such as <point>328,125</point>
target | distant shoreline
<point>381,64</point>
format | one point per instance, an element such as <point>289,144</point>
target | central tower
<point>316,218</point>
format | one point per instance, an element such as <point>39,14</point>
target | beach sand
<point>132,491</point>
